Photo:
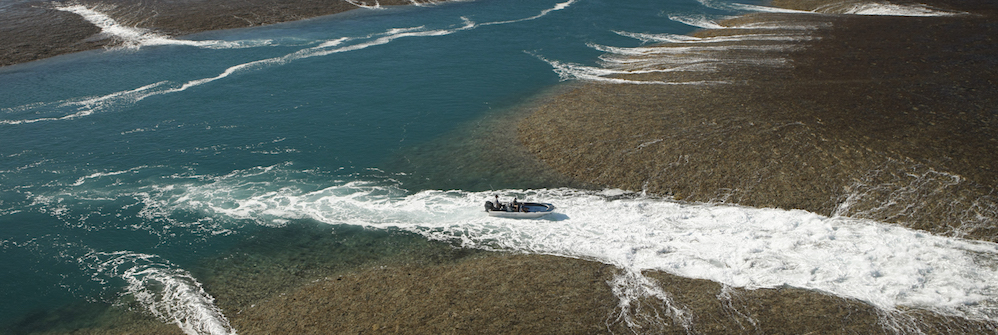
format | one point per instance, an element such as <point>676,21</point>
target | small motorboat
<point>518,210</point>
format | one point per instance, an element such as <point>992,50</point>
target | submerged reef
<point>890,118</point>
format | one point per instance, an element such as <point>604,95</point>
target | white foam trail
<point>871,8</point>
<point>688,64</point>
<point>697,21</point>
<point>750,8</point>
<point>91,105</point>
<point>96,175</point>
<point>86,106</point>
<point>904,191</point>
<point>569,71</point>
<point>688,53</point>
<point>134,37</point>
<point>663,59</point>
<point>885,265</point>
<point>674,38</point>
<point>557,7</point>
<point>707,23</point>
<point>168,292</point>
<point>889,9</point>
<point>376,5</point>
<point>631,288</point>
<point>764,9</point>
<point>645,51</point>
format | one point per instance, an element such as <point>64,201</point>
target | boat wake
<point>885,265</point>
<point>888,266</point>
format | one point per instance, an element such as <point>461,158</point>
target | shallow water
<point>125,170</point>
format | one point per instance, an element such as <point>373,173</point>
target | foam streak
<point>134,37</point>
<point>543,13</point>
<point>884,265</point>
<point>568,71</point>
<point>673,38</point>
<point>169,293</point>
<point>91,105</point>
<point>871,8</point>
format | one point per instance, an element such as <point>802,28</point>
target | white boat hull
<point>534,210</point>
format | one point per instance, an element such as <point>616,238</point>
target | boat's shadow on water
<point>554,217</point>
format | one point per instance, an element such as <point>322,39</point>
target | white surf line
<point>621,64</point>
<point>423,3</point>
<point>570,71</point>
<point>887,9</point>
<point>364,4</point>
<point>675,38</point>
<point>643,60</point>
<point>703,57</point>
<point>82,180</point>
<point>557,7</point>
<point>885,265</point>
<point>763,9</point>
<point>700,21</point>
<point>133,37</point>
<point>90,105</point>
<point>171,294</point>
<point>629,64</point>
<point>871,8</point>
<point>646,51</point>
<point>631,288</point>
<point>377,5</point>
<point>86,106</point>
<point>326,48</point>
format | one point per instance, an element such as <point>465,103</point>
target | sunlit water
<point>120,169</point>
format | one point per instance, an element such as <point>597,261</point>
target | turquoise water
<point>121,170</point>
<point>99,148</point>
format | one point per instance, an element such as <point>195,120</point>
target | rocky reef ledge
<point>34,29</point>
<point>829,109</point>
<point>310,279</point>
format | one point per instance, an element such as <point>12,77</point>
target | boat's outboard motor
<point>489,206</point>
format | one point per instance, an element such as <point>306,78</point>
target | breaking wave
<point>134,37</point>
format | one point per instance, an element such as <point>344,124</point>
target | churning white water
<point>885,265</point>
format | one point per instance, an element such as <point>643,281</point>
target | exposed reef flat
<point>32,30</point>
<point>314,278</point>
<point>891,118</point>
